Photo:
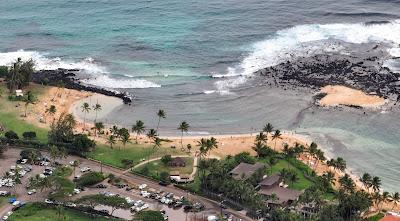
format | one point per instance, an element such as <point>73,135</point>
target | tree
<point>85,109</point>
<point>161,114</point>
<point>114,130</point>
<point>183,127</point>
<point>189,147</point>
<point>261,137</point>
<point>111,140</point>
<point>11,135</point>
<point>98,128</point>
<point>60,212</point>
<point>51,111</point>
<point>347,183</point>
<point>61,131</point>
<point>96,108</point>
<point>166,159</point>
<point>164,177</point>
<point>138,128</point>
<point>19,75</point>
<point>115,202</point>
<point>268,128</point>
<point>376,184</point>
<point>151,134</point>
<point>75,164</point>
<point>57,153</point>
<point>258,147</point>
<point>329,177</point>
<point>124,136</point>
<point>277,135</point>
<point>395,199</point>
<point>366,179</point>
<point>28,100</point>
<point>340,164</point>
<point>29,135</point>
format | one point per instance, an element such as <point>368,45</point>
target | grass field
<point>301,184</point>
<point>376,217</point>
<point>10,115</point>
<point>36,212</point>
<point>134,152</point>
<point>157,167</point>
<point>3,200</point>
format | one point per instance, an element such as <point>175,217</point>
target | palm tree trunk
<point>137,138</point>
<point>182,141</point>
<point>158,124</point>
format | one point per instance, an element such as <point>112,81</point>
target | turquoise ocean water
<point>195,59</point>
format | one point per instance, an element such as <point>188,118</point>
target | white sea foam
<point>44,63</point>
<point>306,40</point>
<point>108,82</point>
<point>209,92</point>
<point>89,65</point>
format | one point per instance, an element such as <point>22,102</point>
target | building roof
<point>245,170</point>
<point>270,180</point>
<point>178,161</point>
<point>283,194</point>
<point>390,218</point>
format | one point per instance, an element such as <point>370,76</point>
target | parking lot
<point>149,196</point>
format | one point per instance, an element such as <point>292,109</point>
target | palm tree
<point>258,147</point>
<point>340,164</point>
<point>262,137</point>
<point>85,109</point>
<point>75,164</point>
<point>111,140</point>
<point>395,199</point>
<point>268,128</point>
<point>320,155</point>
<point>53,153</point>
<point>329,177</point>
<point>98,128</point>
<point>202,144</point>
<point>366,179</point>
<point>96,108</point>
<point>277,135</point>
<point>151,134</point>
<point>124,136</point>
<point>139,128</point>
<point>347,183</point>
<point>114,130</point>
<point>183,127</point>
<point>376,183</point>
<point>51,111</point>
<point>212,143</point>
<point>28,100</point>
<point>161,114</point>
<point>385,197</point>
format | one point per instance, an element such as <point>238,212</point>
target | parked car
<point>101,186</point>
<point>48,201</point>
<point>32,191</point>
<point>142,186</point>
<point>85,169</point>
<point>4,193</point>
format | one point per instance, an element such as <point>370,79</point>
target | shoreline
<point>230,144</point>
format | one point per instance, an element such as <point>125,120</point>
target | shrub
<point>11,135</point>
<point>3,71</point>
<point>144,170</point>
<point>127,162</point>
<point>166,159</point>
<point>90,179</point>
<point>29,135</point>
<point>30,153</point>
<point>164,177</point>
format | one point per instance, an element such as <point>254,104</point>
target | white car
<point>48,201</point>
<point>9,213</point>
<point>5,218</point>
<point>44,163</point>
<point>71,204</point>
<point>142,186</point>
<point>16,203</point>
<point>77,191</point>
<point>4,193</point>
<point>85,169</point>
<point>144,193</point>
<point>32,191</point>
<point>24,161</point>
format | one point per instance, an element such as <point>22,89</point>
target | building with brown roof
<point>269,187</point>
<point>390,217</point>
<point>177,162</point>
<point>243,171</point>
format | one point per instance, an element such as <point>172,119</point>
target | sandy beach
<point>341,95</point>
<point>230,144</point>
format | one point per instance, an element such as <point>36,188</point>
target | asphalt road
<point>12,154</point>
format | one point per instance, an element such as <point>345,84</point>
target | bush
<point>3,71</point>
<point>90,179</point>
<point>145,170</point>
<point>166,159</point>
<point>29,135</point>
<point>164,177</point>
<point>30,153</point>
<point>11,135</point>
<point>127,162</point>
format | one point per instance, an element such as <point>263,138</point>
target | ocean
<point>196,60</point>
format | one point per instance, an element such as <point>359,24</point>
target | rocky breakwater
<point>68,79</point>
<point>362,70</point>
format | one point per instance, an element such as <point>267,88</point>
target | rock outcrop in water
<point>358,72</point>
<point>70,80</point>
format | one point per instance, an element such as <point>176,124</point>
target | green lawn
<point>10,114</point>
<point>134,152</point>
<point>37,212</point>
<point>301,184</point>
<point>156,167</point>
<point>376,217</point>
<point>3,200</point>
